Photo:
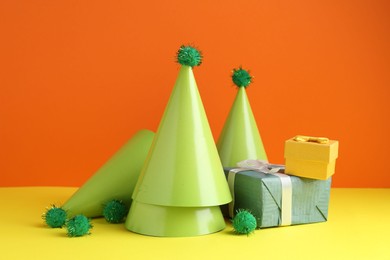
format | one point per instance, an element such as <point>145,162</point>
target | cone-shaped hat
<point>183,168</point>
<point>116,179</point>
<point>240,138</point>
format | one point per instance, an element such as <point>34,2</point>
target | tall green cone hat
<point>183,168</point>
<point>182,182</point>
<point>240,138</point>
<point>116,179</point>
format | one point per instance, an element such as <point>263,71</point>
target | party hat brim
<point>163,221</point>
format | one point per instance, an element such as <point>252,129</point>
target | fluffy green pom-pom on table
<point>78,226</point>
<point>189,56</point>
<point>55,217</point>
<point>244,222</point>
<point>241,77</point>
<point>115,211</point>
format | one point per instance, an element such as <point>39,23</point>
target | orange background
<point>78,78</point>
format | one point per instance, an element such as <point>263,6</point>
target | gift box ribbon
<point>265,167</point>
<point>312,139</point>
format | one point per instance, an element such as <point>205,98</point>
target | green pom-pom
<point>115,211</point>
<point>189,56</point>
<point>241,77</point>
<point>55,217</point>
<point>244,222</point>
<point>78,226</point>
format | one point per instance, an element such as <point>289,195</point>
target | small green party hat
<point>240,138</point>
<point>116,179</point>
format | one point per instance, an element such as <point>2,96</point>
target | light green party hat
<point>116,179</point>
<point>183,168</point>
<point>182,182</point>
<point>240,138</point>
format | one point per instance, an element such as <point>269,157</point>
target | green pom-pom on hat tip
<point>189,56</point>
<point>115,211</point>
<point>55,217</point>
<point>78,226</point>
<point>244,222</point>
<point>241,77</point>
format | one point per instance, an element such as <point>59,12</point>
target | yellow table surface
<point>358,228</point>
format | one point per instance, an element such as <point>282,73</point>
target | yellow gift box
<point>311,157</point>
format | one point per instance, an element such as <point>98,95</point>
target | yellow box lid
<point>311,148</point>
